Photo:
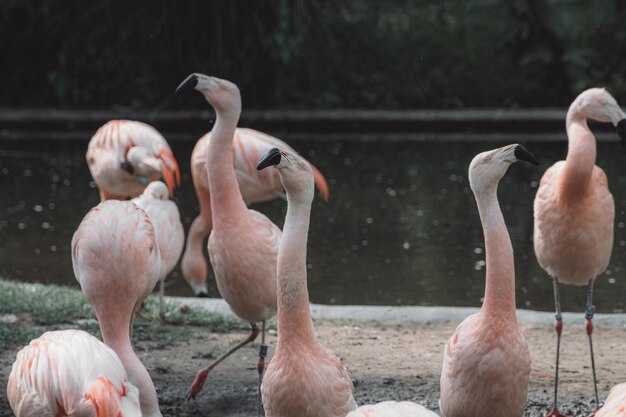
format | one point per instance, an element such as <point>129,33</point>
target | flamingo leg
<point>261,367</point>
<point>161,295</point>
<point>590,309</point>
<point>202,374</point>
<point>558,327</point>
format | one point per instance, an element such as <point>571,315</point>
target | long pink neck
<point>294,316</point>
<point>226,200</point>
<point>500,280</point>
<point>581,155</point>
<point>116,335</point>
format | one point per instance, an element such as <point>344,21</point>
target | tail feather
<point>108,401</point>
<point>320,183</point>
<point>171,172</point>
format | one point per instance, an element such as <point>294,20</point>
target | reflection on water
<point>401,227</point>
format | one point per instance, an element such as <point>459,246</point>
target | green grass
<point>49,307</point>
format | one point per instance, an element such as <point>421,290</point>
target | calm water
<point>401,227</point>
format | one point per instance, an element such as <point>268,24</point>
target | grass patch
<point>50,307</point>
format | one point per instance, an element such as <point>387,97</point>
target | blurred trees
<point>311,53</point>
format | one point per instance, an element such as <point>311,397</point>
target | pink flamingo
<point>615,404</point>
<point>125,155</point>
<point>116,260</point>
<point>393,409</point>
<point>256,187</point>
<point>486,362</point>
<point>70,373</point>
<point>165,219</point>
<point>304,378</point>
<point>244,243</point>
<point>574,212</point>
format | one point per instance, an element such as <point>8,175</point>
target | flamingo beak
<point>126,166</point>
<point>621,131</point>
<point>524,154</point>
<point>188,83</point>
<point>270,158</point>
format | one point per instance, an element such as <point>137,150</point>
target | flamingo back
<point>392,409</point>
<point>109,147</point>
<point>70,373</point>
<point>248,147</point>
<point>615,404</point>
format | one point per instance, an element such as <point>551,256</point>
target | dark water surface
<point>401,227</point>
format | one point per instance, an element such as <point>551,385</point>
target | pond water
<point>401,226</point>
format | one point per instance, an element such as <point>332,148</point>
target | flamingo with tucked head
<point>165,219</point>
<point>486,363</point>
<point>304,378</point>
<point>574,213</point>
<point>393,409</point>
<point>124,156</point>
<point>116,260</point>
<point>70,373</point>
<point>243,245</point>
<point>615,404</point>
<point>256,187</point>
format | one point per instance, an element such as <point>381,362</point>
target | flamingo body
<point>255,187</point>
<point>615,404</point>
<point>486,364</point>
<point>70,373</point>
<point>125,155</point>
<point>304,378</point>
<point>392,409</point>
<point>116,260</point>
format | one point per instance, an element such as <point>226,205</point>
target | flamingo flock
<point>134,238</point>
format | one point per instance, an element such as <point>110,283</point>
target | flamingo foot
<point>556,413</point>
<point>197,384</point>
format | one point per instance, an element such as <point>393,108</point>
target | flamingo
<point>165,219</point>
<point>304,377</point>
<point>615,404</point>
<point>486,362</point>
<point>124,156</point>
<point>248,146</point>
<point>70,373</point>
<point>116,260</point>
<point>393,409</point>
<point>574,213</point>
<point>243,245</point>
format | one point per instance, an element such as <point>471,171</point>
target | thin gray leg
<point>589,311</point>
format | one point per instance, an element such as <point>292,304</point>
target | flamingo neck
<point>581,155</point>
<point>226,200</point>
<point>500,271</point>
<point>118,339</point>
<point>294,316</point>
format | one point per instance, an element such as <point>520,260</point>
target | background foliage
<point>311,53</point>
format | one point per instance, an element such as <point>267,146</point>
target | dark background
<point>311,54</point>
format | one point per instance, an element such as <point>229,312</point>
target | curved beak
<point>621,131</point>
<point>270,158</point>
<point>188,83</point>
<point>524,154</point>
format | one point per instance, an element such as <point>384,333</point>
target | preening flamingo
<point>486,362</point>
<point>304,378</point>
<point>244,243</point>
<point>393,409</point>
<point>615,404</point>
<point>165,218</point>
<point>124,156</point>
<point>70,373</point>
<point>574,212</point>
<point>256,187</point>
<point>116,260</point>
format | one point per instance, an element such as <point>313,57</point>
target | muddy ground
<point>386,361</point>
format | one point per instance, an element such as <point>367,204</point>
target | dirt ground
<point>400,361</point>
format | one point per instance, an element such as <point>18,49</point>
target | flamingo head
<point>223,95</point>
<point>296,174</point>
<point>487,168</point>
<point>598,104</point>
<point>157,190</point>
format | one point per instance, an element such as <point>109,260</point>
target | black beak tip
<point>621,131</point>
<point>270,158</point>
<point>188,84</point>
<point>524,154</point>
<point>127,167</point>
